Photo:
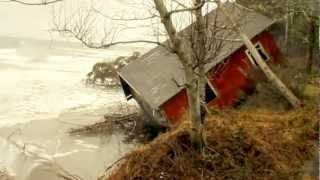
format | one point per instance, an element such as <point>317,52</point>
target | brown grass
<point>240,145</point>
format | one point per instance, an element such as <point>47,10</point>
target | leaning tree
<point>195,46</point>
<point>301,20</point>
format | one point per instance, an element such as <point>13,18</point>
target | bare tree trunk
<point>184,52</point>
<point>317,46</point>
<point>194,102</point>
<point>199,52</point>
<point>263,65</point>
<point>312,43</point>
<point>286,35</point>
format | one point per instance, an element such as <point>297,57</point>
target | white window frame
<point>252,60</point>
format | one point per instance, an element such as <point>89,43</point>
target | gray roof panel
<point>156,74</point>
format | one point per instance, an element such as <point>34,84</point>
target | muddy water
<point>85,156</point>
<point>42,96</point>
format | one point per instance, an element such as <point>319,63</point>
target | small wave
<point>6,66</point>
<point>7,51</point>
<point>58,155</point>
<point>39,59</point>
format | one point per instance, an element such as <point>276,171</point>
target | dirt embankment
<point>260,139</point>
<point>241,144</point>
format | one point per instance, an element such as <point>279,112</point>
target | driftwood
<point>112,122</point>
<point>130,122</point>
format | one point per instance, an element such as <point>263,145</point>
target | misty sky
<point>26,21</point>
<point>35,21</point>
<point>29,21</point>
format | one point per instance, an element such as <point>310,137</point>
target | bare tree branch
<point>124,19</point>
<point>42,3</point>
<point>180,3</point>
<point>190,9</point>
<point>106,45</point>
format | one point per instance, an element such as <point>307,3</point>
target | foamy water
<point>34,88</point>
<point>42,96</point>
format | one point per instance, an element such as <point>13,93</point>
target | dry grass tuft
<point>240,145</point>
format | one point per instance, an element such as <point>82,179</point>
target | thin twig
<point>43,3</point>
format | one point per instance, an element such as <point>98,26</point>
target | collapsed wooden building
<point>152,79</point>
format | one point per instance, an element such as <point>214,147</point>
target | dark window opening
<point>126,89</point>
<point>210,94</point>
<point>261,52</point>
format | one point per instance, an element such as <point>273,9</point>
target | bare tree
<point>195,46</point>
<point>263,66</point>
<point>82,25</point>
<point>286,11</point>
<point>195,55</point>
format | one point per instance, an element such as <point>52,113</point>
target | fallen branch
<point>120,122</point>
<point>48,161</point>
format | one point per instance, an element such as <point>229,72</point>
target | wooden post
<point>286,35</point>
<point>261,63</point>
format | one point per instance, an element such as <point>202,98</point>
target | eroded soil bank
<point>243,144</point>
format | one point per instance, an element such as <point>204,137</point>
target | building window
<point>210,92</point>
<point>263,53</point>
<point>126,89</point>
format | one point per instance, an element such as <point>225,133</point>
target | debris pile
<point>240,145</point>
<point>131,123</point>
<point>105,73</point>
<point>112,123</point>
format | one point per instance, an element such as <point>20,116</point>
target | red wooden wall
<point>229,78</point>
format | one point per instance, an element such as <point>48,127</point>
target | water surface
<point>42,96</point>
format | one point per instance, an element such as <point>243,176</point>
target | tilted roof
<point>156,74</point>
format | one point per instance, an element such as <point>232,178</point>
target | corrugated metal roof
<point>156,74</point>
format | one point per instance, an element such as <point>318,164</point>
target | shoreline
<point>50,138</point>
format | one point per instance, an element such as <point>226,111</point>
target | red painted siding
<point>229,79</point>
<point>176,106</point>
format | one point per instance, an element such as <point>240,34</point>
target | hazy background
<point>18,20</point>
<point>25,21</point>
<point>43,94</point>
